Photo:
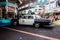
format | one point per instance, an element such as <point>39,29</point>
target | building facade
<point>8,8</point>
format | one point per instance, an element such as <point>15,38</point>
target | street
<point>44,15</point>
<point>29,33</point>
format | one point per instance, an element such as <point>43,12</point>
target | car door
<point>30,20</point>
<point>23,20</point>
<point>26,20</point>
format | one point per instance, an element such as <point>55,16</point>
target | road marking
<point>33,34</point>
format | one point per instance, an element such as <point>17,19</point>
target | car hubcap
<point>37,25</point>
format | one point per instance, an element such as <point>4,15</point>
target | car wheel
<point>17,23</point>
<point>37,25</point>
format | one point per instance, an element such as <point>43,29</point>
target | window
<point>38,17</point>
<point>58,3</point>
<point>24,17</point>
<point>30,17</point>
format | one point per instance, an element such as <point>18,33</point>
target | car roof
<point>29,15</point>
<point>33,15</point>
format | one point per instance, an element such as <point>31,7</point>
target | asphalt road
<point>29,33</point>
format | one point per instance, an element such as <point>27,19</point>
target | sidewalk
<point>57,22</point>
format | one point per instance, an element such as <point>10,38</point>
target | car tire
<point>37,25</point>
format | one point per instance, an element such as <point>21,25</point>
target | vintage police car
<point>35,20</point>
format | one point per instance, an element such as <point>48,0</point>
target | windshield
<point>38,17</point>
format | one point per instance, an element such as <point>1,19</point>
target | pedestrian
<point>56,18</point>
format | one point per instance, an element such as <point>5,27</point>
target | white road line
<point>33,34</point>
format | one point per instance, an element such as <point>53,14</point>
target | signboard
<point>50,7</point>
<point>42,2</point>
<point>10,9</point>
<point>57,10</point>
<point>9,4</point>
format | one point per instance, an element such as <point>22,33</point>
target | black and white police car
<point>35,20</point>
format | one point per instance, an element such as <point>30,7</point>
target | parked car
<point>34,20</point>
